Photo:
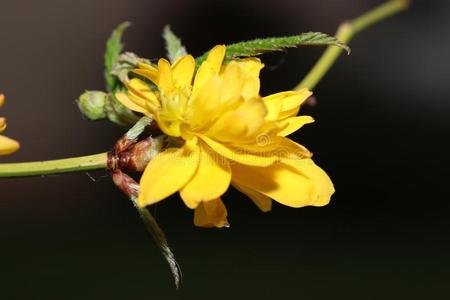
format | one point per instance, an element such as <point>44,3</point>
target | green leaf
<point>138,128</point>
<point>131,188</point>
<point>114,47</point>
<point>160,239</point>
<point>260,46</point>
<point>174,47</point>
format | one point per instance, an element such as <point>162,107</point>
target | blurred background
<point>381,132</point>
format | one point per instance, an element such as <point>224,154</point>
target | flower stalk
<point>345,33</point>
<point>68,165</point>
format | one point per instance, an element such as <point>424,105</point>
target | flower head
<point>7,145</point>
<point>225,133</point>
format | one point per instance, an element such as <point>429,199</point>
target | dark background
<point>381,133</point>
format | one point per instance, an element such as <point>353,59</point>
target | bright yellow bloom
<point>227,134</point>
<point>7,145</point>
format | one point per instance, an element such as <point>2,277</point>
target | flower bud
<point>137,156</point>
<point>98,105</point>
<point>92,104</point>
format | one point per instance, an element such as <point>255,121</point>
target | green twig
<point>345,33</point>
<point>75,164</point>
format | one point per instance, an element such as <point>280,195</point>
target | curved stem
<point>75,164</point>
<point>344,34</point>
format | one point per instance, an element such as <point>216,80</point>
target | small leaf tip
<point>124,25</point>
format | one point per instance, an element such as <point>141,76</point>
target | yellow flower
<point>7,145</point>
<point>227,134</point>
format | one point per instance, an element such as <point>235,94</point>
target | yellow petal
<point>289,101</point>
<point>183,70</point>
<point>148,67</point>
<point>273,109</point>
<point>281,147</point>
<point>323,186</point>
<point>7,145</point>
<point>211,214</point>
<point>216,56</point>
<point>232,79</point>
<point>296,99</point>
<point>263,202</point>
<point>165,80</point>
<point>210,181</point>
<point>170,128</point>
<point>2,100</point>
<point>204,73</point>
<point>151,75</point>
<point>203,108</point>
<point>263,143</point>
<point>251,68</point>
<point>239,124</point>
<point>209,68</point>
<point>277,99</point>
<point>287,148</point>
<point>2,124</point>
<point>241,155</point>
<point>250,89</point>
<point>240,79</point>
<point>127,102</point>
<point>297,184</point>
<point>168,172</point>
<point>148,71</point>
<point>291,125</point>
<point>141,93</point>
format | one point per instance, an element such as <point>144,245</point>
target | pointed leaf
<point>173,45</point>
<point>131,188</point>
<point>114,47</point>
<point>260,46</point>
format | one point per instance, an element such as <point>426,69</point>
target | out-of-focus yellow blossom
<point>227,134</point>
<point>7,145</point>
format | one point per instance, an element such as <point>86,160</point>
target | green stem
<point>75,164</point>
<point>345,33</point>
